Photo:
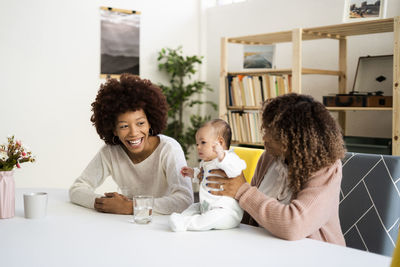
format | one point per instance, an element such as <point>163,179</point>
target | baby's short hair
<point>222,129</point>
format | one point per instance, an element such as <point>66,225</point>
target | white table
<point>75,236</point>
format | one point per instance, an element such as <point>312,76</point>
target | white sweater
<point>158,175</point>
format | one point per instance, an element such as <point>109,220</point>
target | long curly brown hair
<point>309,136</point>
<point>130,93</point>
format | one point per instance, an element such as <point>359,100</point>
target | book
<point>257,91</point>
<point>241,128</point>
<point>232,123</point>
<point>246,89</point>
<point>273,85</point>
<point>252,126</point>
<point>280,85</point>
<point>229,90</point>
<point>289,79</point>
<point>251,89</point>
<point>246,125</point>
<point>242,92</point>
<point>238,127</point>
<point>236,92</point>
<point>266,86</point>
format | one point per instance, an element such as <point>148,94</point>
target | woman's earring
<point>151,132</point>
<point>115,142</point>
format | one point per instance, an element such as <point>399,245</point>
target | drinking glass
<point>143,209</point>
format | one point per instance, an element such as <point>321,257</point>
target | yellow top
<point>396,254</point>
<point>250,156</point>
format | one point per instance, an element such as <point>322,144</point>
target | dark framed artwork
<point>120,41</point>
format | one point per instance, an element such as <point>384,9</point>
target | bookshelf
<point>339,32</point>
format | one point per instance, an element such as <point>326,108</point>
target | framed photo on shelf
<point>258,56</point>
<point>361,10</point>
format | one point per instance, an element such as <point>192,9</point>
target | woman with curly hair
<point>129,116</point>
<point>294,192</point>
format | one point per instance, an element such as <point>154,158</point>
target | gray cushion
<point>370,202</point>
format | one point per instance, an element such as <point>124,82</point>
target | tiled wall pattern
<point>370,202</point>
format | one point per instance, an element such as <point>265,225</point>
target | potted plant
<point>181,94</point>
<point>12,155</point>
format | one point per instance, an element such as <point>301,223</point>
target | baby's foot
<point>176,222</point>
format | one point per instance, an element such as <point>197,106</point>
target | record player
<point>358,99</point>
<point>374,76</point>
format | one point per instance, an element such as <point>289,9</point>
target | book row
<point>253,90</point>
<point>246,126</point>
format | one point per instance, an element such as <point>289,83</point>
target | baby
<point>212,212</point>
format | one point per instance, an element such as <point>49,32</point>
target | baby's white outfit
<point>212,212</point>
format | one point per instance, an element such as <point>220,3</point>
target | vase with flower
<point>12,155</point>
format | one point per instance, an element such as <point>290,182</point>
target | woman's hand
<point>200,175</point>
<point>227,186</point>
<point>114,203</point>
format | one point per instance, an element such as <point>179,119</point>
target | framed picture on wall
<point>360,10</point>
<point>120,42</point>
<point>258,56</point>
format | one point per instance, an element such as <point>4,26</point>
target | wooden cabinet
<point>338,32</point>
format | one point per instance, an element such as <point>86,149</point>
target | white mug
<point>35,205</point>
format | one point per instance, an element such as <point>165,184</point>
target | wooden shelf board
<point>320,71</point>
<point>268,38</point>
<point>242,108</point>
<point>110,76</point>
<point>338,31</point>
<point>355,28</point>
<point>236,142</point>
<point>358,108</point>
<point>284,71</point>
<point>260,71</point>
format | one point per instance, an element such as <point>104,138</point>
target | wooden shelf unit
<point>339,32</point>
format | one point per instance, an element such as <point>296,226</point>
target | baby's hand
<point>219,150</point>
<point>187,171</point>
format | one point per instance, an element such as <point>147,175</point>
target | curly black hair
<point>310,137</point>
<point>130,93</point>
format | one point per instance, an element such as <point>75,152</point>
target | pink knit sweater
<point>313,213</point>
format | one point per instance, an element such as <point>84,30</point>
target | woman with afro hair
<point>294,192</point>
<point>129,115</point>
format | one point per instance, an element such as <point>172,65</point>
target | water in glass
<point>142,215</point>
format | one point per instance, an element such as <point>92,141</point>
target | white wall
<point>49,73</point>
<point>50,61</point>
<point>263,16</point>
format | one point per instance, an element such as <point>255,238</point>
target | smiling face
<point>132,129</point>
<point>205,140</point>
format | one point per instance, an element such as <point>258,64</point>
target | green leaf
<point>179,94</point>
